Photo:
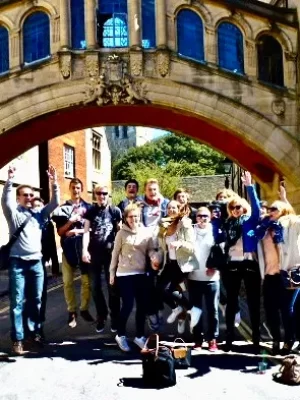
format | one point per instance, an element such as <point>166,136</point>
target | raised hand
<point>52,175</point>
<point>246,178</point>
<point>282,192</point>
<point>11,172</point>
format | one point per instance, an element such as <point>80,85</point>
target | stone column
<point>161,24</point>
<point>134,23</point>
<point>64,24</point>
<point>14,50</point>
<point>211,50</point>
<point>90,24</point>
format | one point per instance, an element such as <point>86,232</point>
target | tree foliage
<point>173,155</point>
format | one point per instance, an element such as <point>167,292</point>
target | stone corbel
<point>163,62</point>
<point>290,56</point>
<point>92,65</point>
<point>136,63</point>
<point>65,64</point>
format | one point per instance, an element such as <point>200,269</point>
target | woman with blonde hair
<point>128,267</point>
<point>242,265</point>
<point>279,257</point>
<point>176,241</point>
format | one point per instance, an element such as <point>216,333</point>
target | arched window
<point>230,47</point>
<point>148,24</point>
<point>77,24</point>
<point>112,23</point>
<point>190,35</point>
<point>4,50</point>
<point>36,37</point>
<point>270,60</point>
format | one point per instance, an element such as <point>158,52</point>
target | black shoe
<point>113,326</point>
<point>276,348</point>
<point>72,319</point>
<point>100,325</point>
<point>85,314</point>
<point>34,343</point>
<point>228,346</point>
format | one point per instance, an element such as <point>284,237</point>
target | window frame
<point>71,166</point>
<point>5,71</point>
<point>96,151</point>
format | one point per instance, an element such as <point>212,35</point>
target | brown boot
<point>18,349</point>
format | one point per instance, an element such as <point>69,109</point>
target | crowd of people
<point>154,252</point>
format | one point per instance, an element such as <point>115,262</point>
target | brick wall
<point>56,157</point>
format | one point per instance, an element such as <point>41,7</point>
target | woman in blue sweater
<point>242,265</point>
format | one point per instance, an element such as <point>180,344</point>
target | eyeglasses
<point>202,216</point>
<point>235,208</point>
<point>102,193</point>
<point>133,216</point>
<point>272,209</point>
<point>28,194</point>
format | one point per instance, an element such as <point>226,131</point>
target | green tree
<point>177,155</point>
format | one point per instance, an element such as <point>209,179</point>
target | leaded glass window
<point>77,24</point>
<point>36,36</point>
<point>270,61</point>
<point>4,50</point>
<point>112,23</point>
<point>190,35</point>
<point>230,47</point>
<point>148,24</point>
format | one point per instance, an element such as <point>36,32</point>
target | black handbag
<point>216,258</point>
<point>5,249</point>
<point>158,365</point>
<point>291,278</point>
<point>182,354</point>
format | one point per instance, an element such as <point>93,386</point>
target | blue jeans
<point>289,317</point>
<point>23,274</point>
<point>210,290</point>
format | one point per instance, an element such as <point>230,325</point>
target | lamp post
<point>227,164</point>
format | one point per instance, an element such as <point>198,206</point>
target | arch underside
<point>50,125</point>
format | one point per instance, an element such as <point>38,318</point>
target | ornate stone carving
<point>65,64</point>
<point>163,63</point>
<point>92,65</point>
<point>278,107</point>
<point>115,86</point>
<point>136,63</point>
<point>290,56</point>
<point>250,45</point>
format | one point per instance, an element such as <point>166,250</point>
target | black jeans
<point>168,283</point>
<point>273,303</point>
<point>233,275</point>
<point>101,262</point>
<point>133,288</point>
<point>210,290</point>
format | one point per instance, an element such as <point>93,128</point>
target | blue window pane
<point>230,47</point>
<point>112,6</point>
<point>77,24</point>
<point>36,36</point>
<point>190,35</point>
<point>270,61</point>
<point>4,50</point>
<point>148,24</point>
<point>115,32</point>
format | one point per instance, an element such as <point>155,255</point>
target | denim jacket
<point>249,222</point>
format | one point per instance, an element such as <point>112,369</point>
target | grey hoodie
<point>29,244</point>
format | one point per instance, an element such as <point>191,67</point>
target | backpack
<point>289,372</point>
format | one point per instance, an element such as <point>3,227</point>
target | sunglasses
<point>235,208</point>
<point>202,216</point>
<point>272,209</point>
<point>28,194</point>
<point>103,193</point>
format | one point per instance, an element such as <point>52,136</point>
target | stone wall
<point>201,188</point>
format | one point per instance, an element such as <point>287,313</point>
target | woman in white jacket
<point>205,283</point>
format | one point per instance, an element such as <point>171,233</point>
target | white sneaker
<point>172,317</point>
<point>140,342</point>
<point>195,314</point>
<point>237,319</point>
<point>181,326</point>
<point>122,343</point>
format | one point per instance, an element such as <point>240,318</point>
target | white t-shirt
<point>171,250</point>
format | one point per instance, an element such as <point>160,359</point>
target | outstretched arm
<point>8,200</point>
<point>54,201</point>
<point>254,201</point>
